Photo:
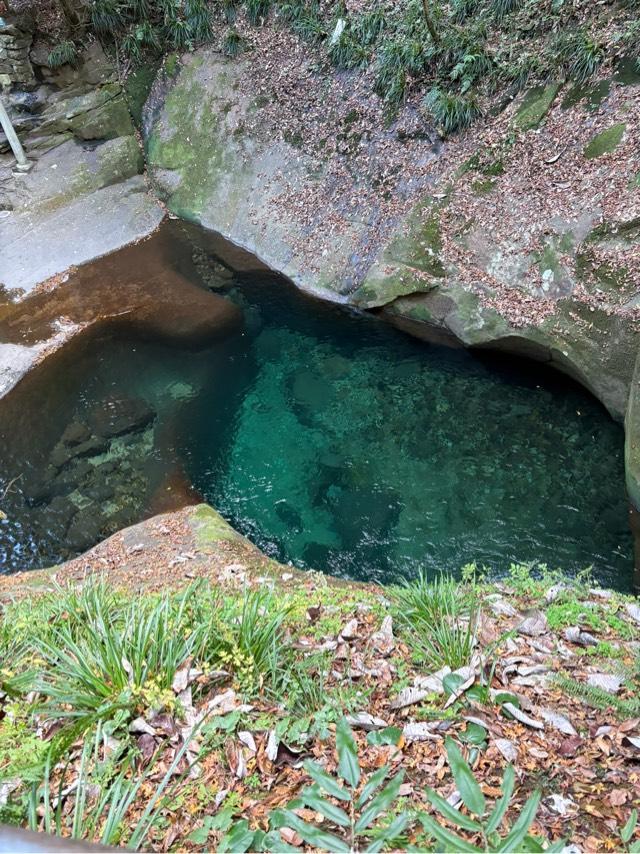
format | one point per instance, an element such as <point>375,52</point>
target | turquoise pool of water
<point>336,442</point>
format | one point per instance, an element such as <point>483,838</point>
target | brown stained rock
<point>140,289</point>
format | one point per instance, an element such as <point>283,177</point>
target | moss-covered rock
<point>589,95</point>
<point>97,114</point>
<point>137,87</point>
<point>210,528</point>
<point>535,106</point>
<point>605,142</point>
<point>211,164</point>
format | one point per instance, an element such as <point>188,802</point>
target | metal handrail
<point>17,840</point>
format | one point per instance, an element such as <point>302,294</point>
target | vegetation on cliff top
<point>323,716</point>
<point>462,56</point>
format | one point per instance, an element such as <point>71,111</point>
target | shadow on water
<point>330,439</point>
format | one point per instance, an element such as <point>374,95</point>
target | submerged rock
<point>75,433</point>
<point>119,416</point>
<point>84,530</point>
<point>63,454</point>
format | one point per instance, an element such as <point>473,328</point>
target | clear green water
<point>335,442</point>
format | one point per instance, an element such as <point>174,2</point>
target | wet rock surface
<point>524,241</point>
<point>122,416</point>
<point>84,196</point>
<point>93,481</point>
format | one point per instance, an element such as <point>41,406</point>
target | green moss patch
<point>627,231</point>
<point>210,527</point>
<point>484,187</point>
<point>171,64</point>
<point>589,95</point>
<point>628,71</point>
<point>137,88</point>
<point>605,142</point>
<point>535,106</point>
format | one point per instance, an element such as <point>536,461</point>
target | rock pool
<point>329,438</point>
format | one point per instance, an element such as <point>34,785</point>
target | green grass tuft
<point>439,620</point>
<point>452,112</point>
<point>233,43</point>
<point>64,53</point>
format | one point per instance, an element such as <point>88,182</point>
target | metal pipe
<point>16,840</point>
<point>24,165</point>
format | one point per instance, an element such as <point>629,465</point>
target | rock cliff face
<point>84,197</point>
<point>14,54</point>
<point>522,235</point>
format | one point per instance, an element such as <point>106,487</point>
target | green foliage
<point>96,806</point>
<point>233,44</point>
<point>504,7</point>
<point>356,823</point>
<point>452,112</point>
<point>596,697</point>
<point>303,16</point>
<point>573,613</point>
<point>484,823</point>
<point>353,39</point>
<point>439,619</point>
<point>578,54</point>
<point>627,832</point>
<point>306,690</point>
<point>137,27</point>
<point>64,53</point>
<point>247,640</point>
<point>257,11</point>
<point>16,677</point>
<point>117,659</point>
<point>95,656</point>
<point>22,753</point>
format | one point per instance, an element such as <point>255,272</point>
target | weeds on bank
<point>364,812</point>
<point>97,803</point>
<point>92,656</point>
<point>115,658</point>
<point>461,53</point>
<point>118,660</point>
<point>439,619</point>
<point>350,812</point>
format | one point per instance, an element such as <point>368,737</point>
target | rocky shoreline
<point>548,274</point>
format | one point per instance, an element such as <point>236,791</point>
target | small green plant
<point>627,832</point>
<point>95,807</point>
<point>248,641</point>
<point>452,112</point>
<point>106,660</point>
<point>398,58</point>
<point>578,54</point>
<point>504,7</point>
<point>307,688</point>
<point>22,753</point>
<point>257,11</point>
<point>304,18</point>
<point>439,619</point>
<point>233,43</point>
<point>596,697</point>
<point>64,53</point>
<point>356,824</point>
<point>485,824</point>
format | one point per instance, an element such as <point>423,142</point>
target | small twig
<point>7,488</point>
